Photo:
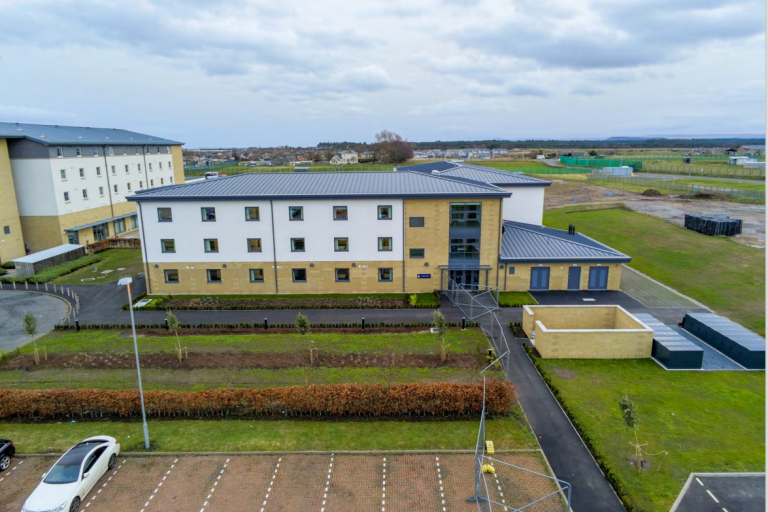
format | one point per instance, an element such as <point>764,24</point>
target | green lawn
<point>201,379</point>
<point>263,435</point>
<point>707,421</point>
<point>724,275</point>
<point>509,165</point>
<point>507,299</point>
<point>129,259</point>
<point>88,341</point>
<point>746,185</point>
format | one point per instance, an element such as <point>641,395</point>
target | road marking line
<point>274,477</point>
<point>701,484</point>
<point>327,483</point>
<point>160,484</point>
<point>713,496</point>
<point>440,480</point>
<point>214,486</point>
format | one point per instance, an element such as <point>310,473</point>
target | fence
<point>113,243</point>
<point>679,157</point>
<point>673,185</point>
<point>593,162</point>
<point>724,171</point>
<point>194,170</point>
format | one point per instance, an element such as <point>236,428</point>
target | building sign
<point>424,276</point>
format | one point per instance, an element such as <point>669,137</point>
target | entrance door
<point>100,232</point>
<point>540,278</point>
<point>598,278</point>
<point>73,237</point>
<point>470,279</point>
<point>574,278</point>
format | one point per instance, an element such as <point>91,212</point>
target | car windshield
<point>67,469</point>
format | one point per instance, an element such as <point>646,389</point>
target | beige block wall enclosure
<point>558,275</point>
<point>587,332</point>
<point>11,243</point>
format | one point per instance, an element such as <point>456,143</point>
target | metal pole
<point>138,370</point>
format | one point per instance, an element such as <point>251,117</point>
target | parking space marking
<point>271,484</point>
<point>327,484</point>
<point>160,484</point>
<point>701,484</point>
<point>114,472</point>
<point>498,486</point>
<point>13,469</point>
<point>713,496</point>
<point>440,481</point>
<point>383,484</point>
<point>215,484</point>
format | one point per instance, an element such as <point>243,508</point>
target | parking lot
<point>320,482</point>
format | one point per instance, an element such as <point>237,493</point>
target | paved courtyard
<point>313,482</point>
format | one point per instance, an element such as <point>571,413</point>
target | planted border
<point>258,326</point>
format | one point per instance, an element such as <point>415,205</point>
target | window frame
<point>85,193</point>
<point>66,196</point>
<point>258,214</point>
<point>411,224</point>
<point>59,153</point>
<point>423,253</point>
<point>78,151</point>
<point>206,245</point>
<point>251,278</point>
<point>290,216</point>
<point>293,275</point>
<point>390,243</point>
<point>160,219</point>
<point>101,191</point>
<point>162,245</point>
<point>95,151</point>
<point>165,275</point>
<point>98,172</point>
<point>391,275</point>
<point>346,213</point>
<point>208,275</point>
<point>81,171</point>
<point>510,270</point>
<point>6,230</point>
<point>303,241</point>
<point>248,245</point>
<point>378,211</point>
<point>336,244</point>
<point>63,174</point>
<point>336,275</point>
<point>202,213</point>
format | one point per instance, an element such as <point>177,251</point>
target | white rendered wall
<point>232,231</point>
<point>35,192</point>
<point>526,205</point>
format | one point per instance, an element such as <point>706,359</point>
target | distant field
<point>746,185</point>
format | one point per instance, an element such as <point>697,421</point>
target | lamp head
<point>124,281</point>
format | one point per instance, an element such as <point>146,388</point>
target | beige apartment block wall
<point>558,276</point>
<point>321,278</point>
<point>178,165</point>
<point>11,244</point>
<point>42,232</point>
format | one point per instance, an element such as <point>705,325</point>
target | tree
<point>629,415</point>
<point>303,326</point>
<point>592,152</point>
<point>441,326</point>
<point>29,324</point>
<point>391,148</point>
<point>175,325</point>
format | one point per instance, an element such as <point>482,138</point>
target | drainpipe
<point>109,185</point>
<point>498,247</point>
<point>144,154</point>
<point>403,242</point>
<point>274,243</point>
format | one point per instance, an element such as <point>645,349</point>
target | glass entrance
<point>100,232</point>
<point>470,279</point>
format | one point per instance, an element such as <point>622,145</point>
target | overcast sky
<point>292,72</point>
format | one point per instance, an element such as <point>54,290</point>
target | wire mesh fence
<point>679,157</point>
<point>595,162</point>
<point>675,186</point>
<point>714,171</point>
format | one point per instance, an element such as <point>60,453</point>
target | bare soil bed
<point>206,303</point>
<point>270,361</point>
<point>212,331</point>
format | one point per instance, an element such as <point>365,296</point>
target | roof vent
<point>571,230</point>
<point>435,171</point>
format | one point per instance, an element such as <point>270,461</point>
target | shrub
<point>337,400</point>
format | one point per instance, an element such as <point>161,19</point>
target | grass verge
<point>724,275</point>
<point>128,259</point>
<point>707,421</point>
<point>49,274</point>
<point>516,299</point>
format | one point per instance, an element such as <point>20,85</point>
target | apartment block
<point>65,184</point>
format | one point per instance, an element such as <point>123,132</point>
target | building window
<point>341,244</point>
<point>385,274</point>
<point>385,212</point>
<point>385,243</point>
<point>254,245</point>
<point>59,152</point>
<point>511,270</point>
<point>171,180</point>
<point>98,171</point>
<point>160,165</point>
<point>115,187</point>
<point>85,193</point>
<point>151,183</point>
<point>134,221</point>
<point>101,191</point>
<point>168,245</point>
<point>171,276</point>
<point>211,245</point>
<point>82,172</point>
<point>141,184</point>
<point>167,149</point>
<point>161,181</point>
<point>139,166</point>
<point>214,275</point>
<point>342,275</point>
<point>150,166</point>
<point>417,253</point>
<point>129,187</point>
<point>296,212</point>
<point>465,215</point>
<point>110,151</point>
<point>95,151</point>
<point>113,170</point>
<point>119,226</point>
<point>169,165</point>
<point>127,170</point>
<point>164,215</point>
<point>78,152</point>
<point>299,275</point>
<point>146,149</point>
<point>66,197</point>
<point>339,213</point>
<point>251,213</point>
<point>125,150</point>
<point>63,173</point>
<point>416,222</point>
<point>209,214</point>
<point>7,230</point>
<point>136,150</point>
<point>464,248</point>
<point>256,275</point>
<point>297,245</point>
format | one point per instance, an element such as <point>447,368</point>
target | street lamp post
<point>126,281</point>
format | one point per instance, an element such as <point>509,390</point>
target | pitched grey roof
<point>318,185</point>
<point>478,173</point>
<point>538,244</point>
<point>72,135</point>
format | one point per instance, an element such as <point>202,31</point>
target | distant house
<point>282,161</point>
<point>752,150</point>
<point>571,153</point>
<point>345,157</point>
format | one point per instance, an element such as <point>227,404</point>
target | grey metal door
<point>574,278</point>
<point>540,278</point>
<point>598,278</point>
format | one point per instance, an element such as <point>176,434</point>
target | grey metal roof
<point>537,244</point>
<point>72,135</point>
<point>90,225</point>
<point>48,253</point>
<point>478,173</point>
<point>318,185</point>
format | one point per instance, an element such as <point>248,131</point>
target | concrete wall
<point>526,205</point>
<point>587,332</point>
<point>558,275</point>
<point>12,243</point>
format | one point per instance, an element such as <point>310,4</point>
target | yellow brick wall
<point>592,345</point>
<point>178,165</point>
<point>235,278</point>
<point>12,244</point>
<point>41,232</point>
<point>558,276</point>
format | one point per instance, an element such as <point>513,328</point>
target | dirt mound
<point>652,192</point>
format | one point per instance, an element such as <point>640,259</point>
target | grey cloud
<point>513,89</point>
<point>587,90</point>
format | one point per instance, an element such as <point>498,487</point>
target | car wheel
<point>112,460</point>
<point>75,505</point>
<point>5,462</point>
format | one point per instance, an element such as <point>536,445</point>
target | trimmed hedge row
<point>67,327</point>
<point>49,274</point>
<point>425,400</point>
<point>599,458</point>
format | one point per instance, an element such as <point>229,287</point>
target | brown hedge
<point>337,400</point>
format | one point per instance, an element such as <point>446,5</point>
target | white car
<point>68,482</point>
